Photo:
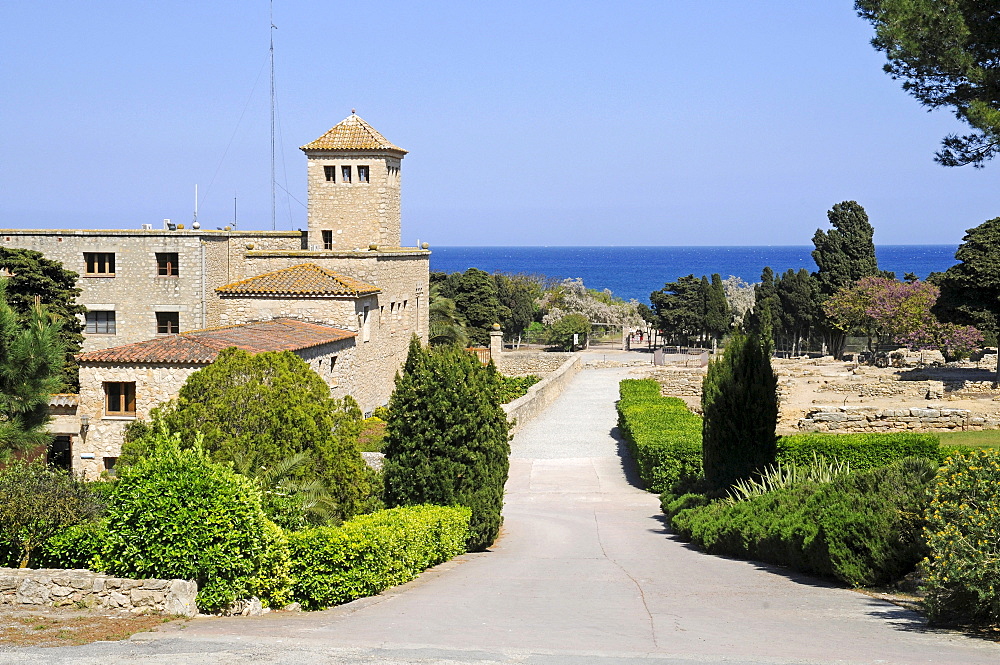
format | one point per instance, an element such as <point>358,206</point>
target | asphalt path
<point>584,573</point>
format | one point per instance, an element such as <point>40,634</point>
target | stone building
<point>346,271</point>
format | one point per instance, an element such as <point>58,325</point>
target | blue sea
<point>635,272</point>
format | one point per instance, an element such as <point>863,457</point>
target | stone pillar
<point>496,340</point>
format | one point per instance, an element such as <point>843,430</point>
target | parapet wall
<point>523,363</point>
<point>55,587</point>
<point>543,393</point>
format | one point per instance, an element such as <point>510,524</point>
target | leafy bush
<point>447,440</point>
<point>177,514</point>
<point>79,546</point>
<point>372,436</point>
<point>740,401</point>
<point>268,407</point>
<point>512,387</point>
<point>662,434</point>
<point>37,502</point>
<point>863,528</point>
<point>963,534</point>
<point>373,552</point>
<point>861,451</point>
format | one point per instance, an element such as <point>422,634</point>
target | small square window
<point>119,398</point>
<point>327,239</point>
<point>166,264</point>
<point>345,174</point>
<point>330,172</point>
<point>100,263</point>
<point>100,323</point>
<point>109,465</point>
<point>362,174</point>
<point>168,323</point>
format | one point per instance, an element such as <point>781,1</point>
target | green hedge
<point>863,528</point>
<point>962,578</point>
<point>861,451</point>
<point>662,434</point>
<point>370,553</point>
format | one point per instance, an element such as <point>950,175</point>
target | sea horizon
<point>633,272</point>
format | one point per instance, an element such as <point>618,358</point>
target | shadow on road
<point>628,463</point>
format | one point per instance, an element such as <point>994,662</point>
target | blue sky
<point>663,122</point>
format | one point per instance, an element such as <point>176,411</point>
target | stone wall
<point>543,393</point>
<point>933,418</point>
<point>523,363</point>
<point>136,292</point>
<point>357,213</point>
<point>679,381</point>
<point>56,587</point>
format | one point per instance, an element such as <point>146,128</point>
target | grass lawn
<point>985,439</point>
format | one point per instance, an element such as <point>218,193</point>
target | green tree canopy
<point>946,55</point>
<point>32,276</point>
<point>740,405</point>
<point>447,438</point>
<point>269,406</point>
<point>561,332</point>
<point>845,253</point>
<point>970,290</point>
<point>31,362</point>
<point>798,297</point>
<point>718,317</point>
<point>474,293</point>
<point>765,317</point>
<point>680,309</point>
<point>518,296</point>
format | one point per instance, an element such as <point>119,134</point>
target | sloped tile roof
<point>203,346</point>
<point>352,133</point>
<point>305,279</point>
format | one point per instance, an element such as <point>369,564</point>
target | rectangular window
<point>362,174</point>
<point>100,323</point>
<point>168,323</point>
<point>327,239</point>
<point>345,174</point>
<point>166,264</point>
<point>119,398</point>
<point>100,263</point>
<point>330,172</point>
<point>109,465</point>
<point>365,328</point>
<point>333,363</point>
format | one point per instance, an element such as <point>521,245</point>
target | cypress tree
<point>740,405</point>
<point>717,313</point>
<point>447,438</point>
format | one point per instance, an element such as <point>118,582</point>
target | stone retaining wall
<point>872,419</point>
<point>55,587</point>
<point>679,382</point>
<point>916,389</point>
<point>522,363</point>
<point>543,393</point>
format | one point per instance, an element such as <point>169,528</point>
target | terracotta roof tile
<point>352,133</point>
<point>305,279</point>
<point>201,347</point>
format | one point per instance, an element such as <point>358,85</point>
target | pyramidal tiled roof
<point>305,279</point>
<point>200,347</point>
<point>352,133</point>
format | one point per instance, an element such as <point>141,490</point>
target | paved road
<point>585,573</point>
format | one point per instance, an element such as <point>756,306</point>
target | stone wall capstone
<point>543,393</point>
<point>58,587</point>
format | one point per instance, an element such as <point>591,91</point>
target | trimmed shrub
<point>962,582</point>
<point>862,529</point>
<point>512,387</point>
<point>370,553</point>
<point>861,451</point>
<point>177,514</point>
<point>447,439</point>
<point>662,434</point>
<point>739,400</point>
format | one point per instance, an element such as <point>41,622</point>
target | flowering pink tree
<point>888,310</point>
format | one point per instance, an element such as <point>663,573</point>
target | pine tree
<point>740,405</point>
<point>31,363</point>
<point>32,277</point>
<point>447,438</point>
<point>845,253</point>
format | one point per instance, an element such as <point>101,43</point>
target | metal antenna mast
<point>273,28</point>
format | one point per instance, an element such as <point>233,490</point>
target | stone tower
<point>353,176</point>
